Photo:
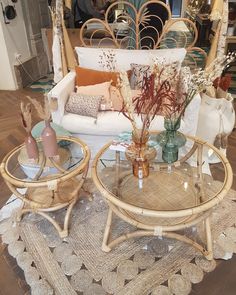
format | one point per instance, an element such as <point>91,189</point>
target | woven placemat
<point>77,265</point>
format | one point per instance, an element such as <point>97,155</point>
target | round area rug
<point>77,265</point>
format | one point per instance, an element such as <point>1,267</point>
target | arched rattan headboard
<point>167,32</point>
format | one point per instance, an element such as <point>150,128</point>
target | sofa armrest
<point>58,96</point>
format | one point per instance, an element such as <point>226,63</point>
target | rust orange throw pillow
<point>85,77</point>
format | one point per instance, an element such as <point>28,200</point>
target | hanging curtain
<point>56,46</point>
<point>219,13</point>
<point>217,10</point>
<point>62,51</point>
<point>223,29</point>
<point>68,4</point>
<point>69,52</point>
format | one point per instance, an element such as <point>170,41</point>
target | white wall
<point>13,38</point>
<point>7,80</point>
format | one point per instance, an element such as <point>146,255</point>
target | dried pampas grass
<point>26,116</point>
<point>43,111</point>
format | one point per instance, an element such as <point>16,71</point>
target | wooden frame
<point>192,216</point>
<point>50,185</point>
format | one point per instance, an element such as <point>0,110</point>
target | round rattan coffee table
<point>172,198</point>
<point>49,184</point>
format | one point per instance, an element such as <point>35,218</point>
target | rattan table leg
<point>169,232</point>
<point>202,193</point>
<point>64,233</point>
<point>149,233</point>
<point>117,171</point>
<point>209,239</point>
<point>43,214</point>
<point>106,235</point>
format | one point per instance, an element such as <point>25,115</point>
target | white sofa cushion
<point>107,123</point>
<point>91,58</point>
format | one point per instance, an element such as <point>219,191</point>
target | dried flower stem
<point>125,91</point>
<point>43,111</point>
<point>26,116</point>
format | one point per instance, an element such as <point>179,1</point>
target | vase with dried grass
<point>48,135</point>
<point>30,142</point>
<point>184,85</point>
<point>141,110</point>
<point>171,140</point>
<point>140,154</point>
<point>167,91</point>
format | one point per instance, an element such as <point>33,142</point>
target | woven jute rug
<point>77,265</point>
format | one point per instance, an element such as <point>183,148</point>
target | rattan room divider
<point>149,26</point>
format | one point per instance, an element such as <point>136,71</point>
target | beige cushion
<point>83,105</point>
<point>98,89</point>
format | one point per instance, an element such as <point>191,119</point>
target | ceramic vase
<point>49,140</point>
<point>140,154</point>
<point>171,140</point>
<point>216,118</point>
<point>31,147</point>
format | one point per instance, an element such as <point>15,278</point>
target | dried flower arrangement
<point>165,89</point>
<point>202,80</point>
<point>156,92</point>
<point>168,90</point>
<point>48,134</point>
<point>43,111</point>
<point>156,97</point>
<point>220,87</point>
<point>30,142</point>
<point>223,82</point>
<point>26,116</point>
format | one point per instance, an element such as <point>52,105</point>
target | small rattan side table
<point>171,199</point>
<point>51,184</point>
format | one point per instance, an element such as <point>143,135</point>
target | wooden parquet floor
<point>221,281</point>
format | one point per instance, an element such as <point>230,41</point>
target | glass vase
<point>31,147</point>
<point>49,140</point>
<point>171,140</point>
<point>140,154</point>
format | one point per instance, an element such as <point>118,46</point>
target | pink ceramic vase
<point>49,140</point>
<point>31,147</point>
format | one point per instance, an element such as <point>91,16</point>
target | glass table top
<point>70,156</point>
<point>181,185</point>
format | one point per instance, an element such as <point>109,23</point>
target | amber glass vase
<point>140,154</point>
